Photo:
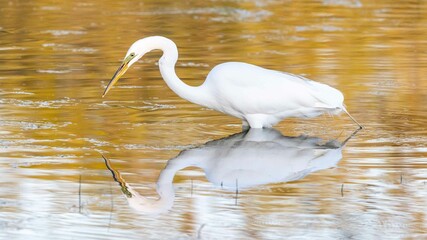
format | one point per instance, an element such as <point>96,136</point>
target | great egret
<point>243,160</point>
<point>259,96</point>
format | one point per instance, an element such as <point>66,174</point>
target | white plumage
<point>264,97</point>
<point>259,96</point>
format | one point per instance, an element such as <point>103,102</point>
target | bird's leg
<point>346,140</point>
<point>245,125</point>
<point>256,120</point>
<point>354,120</point>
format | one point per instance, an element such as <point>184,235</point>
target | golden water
<point>56,58</point>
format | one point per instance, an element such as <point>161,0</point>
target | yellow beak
<point>122,69</point>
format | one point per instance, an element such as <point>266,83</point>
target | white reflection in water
<point>243,160</point>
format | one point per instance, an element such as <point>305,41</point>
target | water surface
<point>56,59</point>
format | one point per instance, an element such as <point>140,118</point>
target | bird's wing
<point>327,97</point>
<point>251,88</point>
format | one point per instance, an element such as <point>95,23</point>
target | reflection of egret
<point>254,157</point>
<point>258,96</point>
<point>145,205</point>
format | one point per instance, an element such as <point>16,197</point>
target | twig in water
<point>237,189</point>
<point>80,193</point>
<point>342,190</point>
<point>112,207</point>
<point>401,178</point>
<point>199,232</point>
<point>191,187</point>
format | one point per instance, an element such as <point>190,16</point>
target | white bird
<point>259,97</point>
<point>239,161</point>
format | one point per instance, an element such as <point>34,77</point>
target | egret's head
<point>135,52</point>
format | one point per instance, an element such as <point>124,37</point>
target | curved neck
<point>167,63</point>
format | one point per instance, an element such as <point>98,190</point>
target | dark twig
<point>342,190</point>
<point>112,207</point>
<point>237,189</point>
<point>80,193</point>
<point>191,187</point>
<point>199,232</point>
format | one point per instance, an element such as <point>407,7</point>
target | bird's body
<point>263,97</point>
<point>259,96</point>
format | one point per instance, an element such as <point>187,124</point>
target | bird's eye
<point>132,54</point>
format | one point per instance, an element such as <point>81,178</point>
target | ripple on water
<point>55,185</point>
<point>147,105</point>
<point>12,48</point>
<point>50,8</point>
<point>96,142</point>
<point>224,14</point>
<point>241,15</point>
<point>59,103</point>
<point>68,47</point>
<point>323,28</point>
<point>64,32</point>
<point>346,3</point>
<point>32,160</point>
<point>53,71</point>
<point>151,147</point>
<point>26,125</point>
<point>17,92</point>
